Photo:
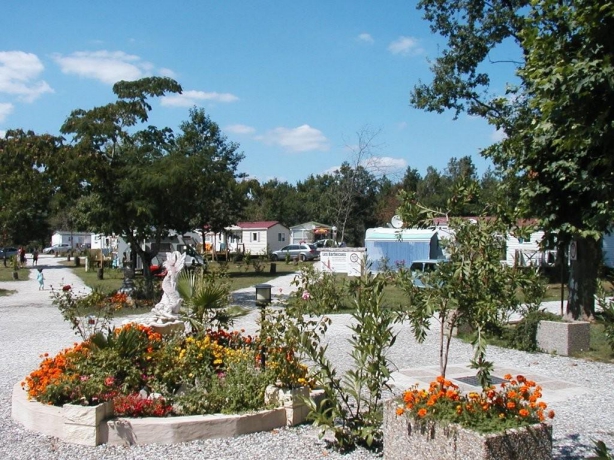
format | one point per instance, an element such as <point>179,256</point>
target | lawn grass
<point>6,273</point>
<point>6,292</point>
<point>239,277</point>
<point>599,348</point>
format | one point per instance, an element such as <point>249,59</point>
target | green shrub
<point>524,335</point>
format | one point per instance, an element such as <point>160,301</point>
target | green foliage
<point>606,314</point>
<point>258,264</point>
<point>524,334</point>
<point>26,187</point>
<point>601,452</point>
<point>318,291</point>
<point>471,288</point>
<point>239,389</point>
<point>351,407</point>
<point>147,374</point>
<point>206,297</point>
<point>87,314</point>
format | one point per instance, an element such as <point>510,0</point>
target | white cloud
<point>405,46</point>
<point>2,134</point>
<point>191,98</point>
<point>384,165</point>
<point>107,66</point>
<point>240,129</point>
<point>366,38</point>
<point>18,74</point>
<point>5,110</point>
<point>301,139</point>
<point>167,73</point>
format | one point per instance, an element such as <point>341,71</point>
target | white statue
<point>167,310</point>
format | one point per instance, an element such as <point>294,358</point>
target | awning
<point>320,231</point>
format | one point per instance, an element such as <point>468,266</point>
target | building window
<point>281,237</point>
<point>254,236</point>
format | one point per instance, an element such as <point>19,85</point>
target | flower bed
<point>441,422</point>
<point>145,374</point>
<point>135,386</point>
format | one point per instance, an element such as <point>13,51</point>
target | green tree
<point>211,178</point>
<point>557,114</point>
<point>133,179</point>
<point>26,186</point>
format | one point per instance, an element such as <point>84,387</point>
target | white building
<point>74,239</point>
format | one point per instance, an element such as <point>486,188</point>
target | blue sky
<point>291,82</point>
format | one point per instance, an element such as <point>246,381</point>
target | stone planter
<point>96,425</point>
<point>291,399</point>
<point>406,439</point>
<point>563,338</point>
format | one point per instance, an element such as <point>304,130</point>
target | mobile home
<point>396,246</point>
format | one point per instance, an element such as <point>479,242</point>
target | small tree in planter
<point>471,288</point>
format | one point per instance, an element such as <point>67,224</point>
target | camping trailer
<point>398,246</point>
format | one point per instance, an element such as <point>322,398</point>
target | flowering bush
<point>514,404</point>
<point>214,371</point>
<point>134,405</point>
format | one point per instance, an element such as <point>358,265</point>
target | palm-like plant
<point>206,298</point>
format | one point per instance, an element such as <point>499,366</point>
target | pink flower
<point>109,381</point>
<point>306,295</point>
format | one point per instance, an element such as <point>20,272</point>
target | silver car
<point>57,249</point>
<point>301,251</point>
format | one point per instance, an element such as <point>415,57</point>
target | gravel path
<point>32,326</point>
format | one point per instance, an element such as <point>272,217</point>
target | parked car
<point>326,243</point>
<point>8,252</point>
<point>192,259</point>
<point>302,251</point>
<point>58,249</point>
<point>419,267</point>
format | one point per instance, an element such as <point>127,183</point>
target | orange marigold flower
<point>523,413</point>
<point>507,376</point>
<point>400,411</point>
<point>441,379</point>
<point>512,394</point>
<point>422,412</point>
<point>521,378</point>
<point>511,405</point>
<point>551,414</point>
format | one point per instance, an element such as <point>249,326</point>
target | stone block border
<point>92,426</point>
<point>563,338</point>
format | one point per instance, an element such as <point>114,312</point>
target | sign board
<point>342,260</point>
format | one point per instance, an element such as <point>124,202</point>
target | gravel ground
<point>32,326</point>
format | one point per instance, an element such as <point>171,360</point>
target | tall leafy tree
<point>212,173</point>
<point>133,178</point>
<point>557,114</point>
<point>26,186</point>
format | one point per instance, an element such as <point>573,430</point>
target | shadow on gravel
<point>573,448</point>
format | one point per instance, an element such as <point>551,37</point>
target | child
<point>41,280</point>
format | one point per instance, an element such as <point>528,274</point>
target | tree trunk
<point>583,277</point>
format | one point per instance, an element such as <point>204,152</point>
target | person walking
<point>41,280</point>
<point>22,256</point>
<point>35,257</point>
